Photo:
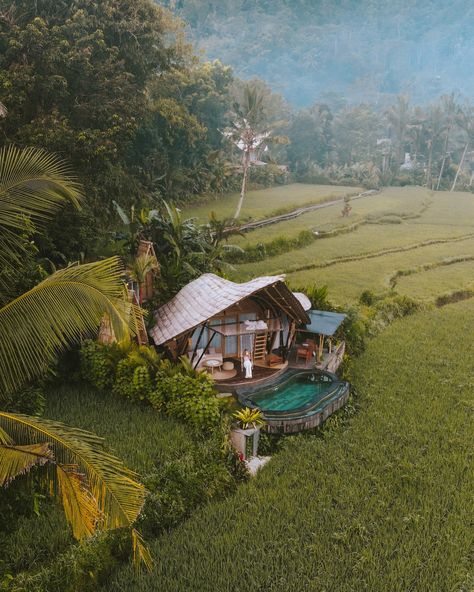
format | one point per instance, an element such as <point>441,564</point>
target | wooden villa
<point>215,322</point>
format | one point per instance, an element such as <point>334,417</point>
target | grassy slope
<point>384,505</point>
<point>399,201</point>
<point>444,279</point>
<point>346,281</point>
<point>139,436</point>
<point>263,202</point>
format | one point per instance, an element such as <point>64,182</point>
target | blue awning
<point>324,322</point>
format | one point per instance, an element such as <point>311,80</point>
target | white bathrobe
<point>248,367</point>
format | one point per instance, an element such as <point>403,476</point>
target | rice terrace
<point>236,296</point>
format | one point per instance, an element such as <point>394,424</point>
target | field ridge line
<point>375,254</point>
<point>302,210</point>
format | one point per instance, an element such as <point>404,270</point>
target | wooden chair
<point>304,352</point>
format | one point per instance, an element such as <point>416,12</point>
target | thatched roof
<point>209,295</point>
<point>303,299</point>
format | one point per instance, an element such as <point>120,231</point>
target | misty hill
<point>363,49</point>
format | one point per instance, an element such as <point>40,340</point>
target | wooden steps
<point>260,347</point>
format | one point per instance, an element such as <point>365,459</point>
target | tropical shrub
<point>30,400</point>
<point>396,306</point>
<point>133,380</point>
<point>191,399</point>
<point>123,384</point>
<point>97,364</point>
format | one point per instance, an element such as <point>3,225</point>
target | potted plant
<point>245,437</point>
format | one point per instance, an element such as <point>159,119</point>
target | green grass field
<point>138,435</point>
<point>264,202</point>
<point>397,229</point>
<point>440,280</point>
<point>393,201</point>
<point>346,281</point>
<point>384,504</point>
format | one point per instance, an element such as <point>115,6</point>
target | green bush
<point>367,298</point>
<point>29,400</point>
<point>97,365</point>
<point>189,398</point>
<point>181,485</point>
<point>123,384</point>
<point>395,307</point>
<point>142,384</point>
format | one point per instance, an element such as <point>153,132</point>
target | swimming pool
<point>300,398</point>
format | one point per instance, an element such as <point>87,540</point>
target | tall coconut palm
<point>466,126</point>
<point>399,118</point>
<point>434,126</point>
<point>452,113</point>
<point>250,133</point>
<point>96,490</point>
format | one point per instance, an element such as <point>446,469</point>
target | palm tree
<point>435,126</point>
<point>451,113</point>
<point>96,490</point>
<point>399,118</point>
<point>249,133</point>
<point>466,123</point>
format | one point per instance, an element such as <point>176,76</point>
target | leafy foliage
<point>249,417</point>
<point>191,399</point>
<point>96,489</point>
<point>55,313</point>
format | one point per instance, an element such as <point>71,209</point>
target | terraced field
<point>407,229</point>
<point>258,204</point>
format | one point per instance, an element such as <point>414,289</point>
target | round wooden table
<point>213,364</point>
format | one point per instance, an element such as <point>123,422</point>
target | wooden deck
<point>260,374</point>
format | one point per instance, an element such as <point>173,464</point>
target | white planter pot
<point>239,437</point>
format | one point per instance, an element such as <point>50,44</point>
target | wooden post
<point>207,345</point>
<point>197,342</point>
<point>321,345</point>
<point>291,332</point>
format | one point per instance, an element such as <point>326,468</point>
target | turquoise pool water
<point>298,391</point>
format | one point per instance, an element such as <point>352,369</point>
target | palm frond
<point>141,554</point>
<point>121,212</point>
<point>5,438</point>
<point>70,303</point>
<point>79,505</point>
<point>33,183</point>
<point>117,494</point>
<point>142,265</point>
<point>18,460</point>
